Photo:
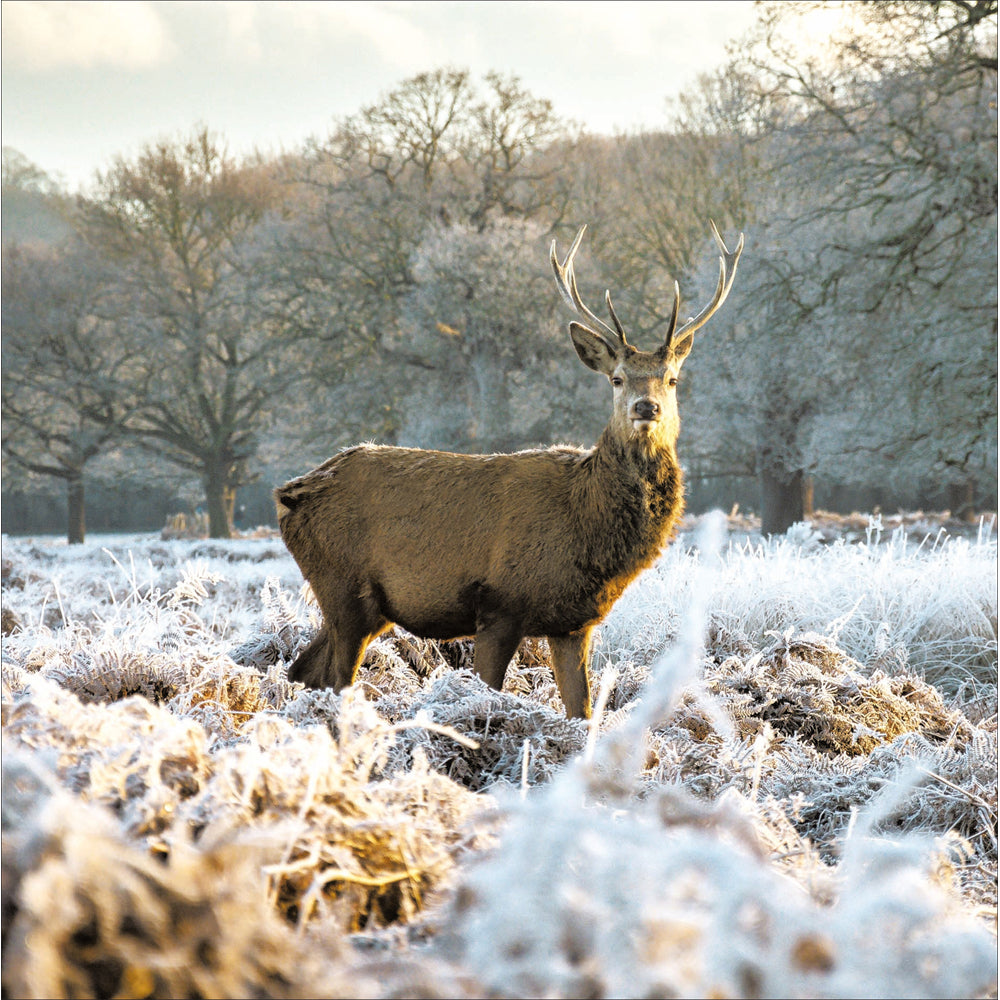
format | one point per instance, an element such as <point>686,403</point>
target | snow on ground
<point>789,787</point>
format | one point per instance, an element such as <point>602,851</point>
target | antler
<point>566,282</point>
<point>727,271</point>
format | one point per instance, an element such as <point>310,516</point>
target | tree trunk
<point>229,499</point>
<point>782,501</point>
<point>808,497</point>
<point>218,499</point>
<point>76,526</point>
<point>961,500</point>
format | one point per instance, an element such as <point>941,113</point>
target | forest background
<point>195,328</point>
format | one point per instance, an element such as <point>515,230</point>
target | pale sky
<point>85,81</point>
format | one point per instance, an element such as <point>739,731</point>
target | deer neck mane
<point>633,498</point>
<point>637,460</point>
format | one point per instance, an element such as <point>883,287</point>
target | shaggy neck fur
<point>635,495</point>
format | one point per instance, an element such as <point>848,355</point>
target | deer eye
<point>671,382</point>
<point>616,381</point>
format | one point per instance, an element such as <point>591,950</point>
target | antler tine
<point>564,271</point>
<point>566,282</point>
<point>727,272</point>
<point>673,319</point>
<point>614,317</point>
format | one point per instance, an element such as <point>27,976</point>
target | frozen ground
<point>790,788</point>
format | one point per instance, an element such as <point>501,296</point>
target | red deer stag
<point>536,543</point>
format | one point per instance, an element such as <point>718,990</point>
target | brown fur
<point>536,543</point>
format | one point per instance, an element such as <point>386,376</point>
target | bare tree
<point>433,152</point>
<point>483,316</point>
<point>864,341</point>
<point>514,156</point>
<point>186,229</point>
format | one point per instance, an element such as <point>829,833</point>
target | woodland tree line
<point>193,317</point>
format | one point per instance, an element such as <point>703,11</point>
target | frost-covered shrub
<point>670,895</point>
<point>672,899</point>
<point>94,914</point>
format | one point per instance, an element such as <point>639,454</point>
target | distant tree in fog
<point>434,152</point>
<point>33,206</point>
<point>65,369</point>
<point>485,316</point>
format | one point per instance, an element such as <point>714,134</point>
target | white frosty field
<point>790,788</point>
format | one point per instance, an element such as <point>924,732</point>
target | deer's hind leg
<point>333,657</point>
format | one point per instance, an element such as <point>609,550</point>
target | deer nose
<point>645,409</point>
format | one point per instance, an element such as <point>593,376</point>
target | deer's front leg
<point>331,659</point>
<point>569,663</point>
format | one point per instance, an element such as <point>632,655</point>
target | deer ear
<point>683,349</point>
<point>594,351</point>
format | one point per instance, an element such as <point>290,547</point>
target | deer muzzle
<point>644,413</point>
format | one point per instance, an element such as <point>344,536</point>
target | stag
<point>535,543</point>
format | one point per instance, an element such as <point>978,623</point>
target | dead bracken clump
<point>196,924</point>
<point>9,622</point>
<point>366,852</point>
<point>810,725</point>
<point>510,740</point>
<point>804,686</point>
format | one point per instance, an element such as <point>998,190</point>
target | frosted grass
<point>929,607</point>
<point>620,873</point>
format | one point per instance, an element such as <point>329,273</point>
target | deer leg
<point>569,664</point>
<point>333,657</point>
<point>495,645</point>
<point>311,666</point>
<point>349,648</point>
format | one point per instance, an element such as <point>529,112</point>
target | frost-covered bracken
<point>788,787</point>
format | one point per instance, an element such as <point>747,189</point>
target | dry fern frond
<point>197,924</point>
<point>498,723</point>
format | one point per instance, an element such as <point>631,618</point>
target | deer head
<point>644,382</point>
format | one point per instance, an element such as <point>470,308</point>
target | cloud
<point>300,32</point>
<point>43,36</point>
<point>398,41</point>
<point>686,33</point>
